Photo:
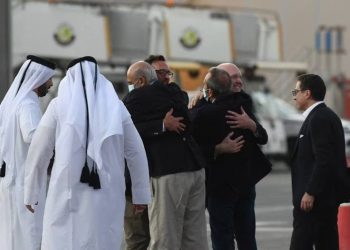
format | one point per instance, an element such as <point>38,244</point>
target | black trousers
<point>317,228</point>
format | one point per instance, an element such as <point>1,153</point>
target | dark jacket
<point>229,174</point>
<point>318,161</point>
<point>167,152</point>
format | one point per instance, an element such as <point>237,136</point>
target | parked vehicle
<point>283,122</point>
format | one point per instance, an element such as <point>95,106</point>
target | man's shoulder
<point>138,93</point>
<point>234,102</point>
<point>210,110</point>
<point>31,97</point>
<point>29,103</point>
<point>52,105</point>
<point>323,112</point>
<point>246,96</point>
<point>323,115</point>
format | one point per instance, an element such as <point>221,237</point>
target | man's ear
<point>143,81</point>
<point>210,93</point>
<point>308,94</point>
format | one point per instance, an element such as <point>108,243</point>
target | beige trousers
<point>177,212</point>
<point>136,228</point>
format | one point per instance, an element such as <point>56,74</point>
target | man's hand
<point>236,120</point>
<point>195,99</point>
<point>172,123</point>
<point>307,202</point>
<point>138,209</point>
<point>229,145</point>
<point>30,208</point>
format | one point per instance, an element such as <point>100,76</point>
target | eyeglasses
<point>296,91</point>
<point>164,72</point>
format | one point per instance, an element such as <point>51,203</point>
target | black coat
<point>167,152</point>
<point>319,159</point>
<point>230,174</point>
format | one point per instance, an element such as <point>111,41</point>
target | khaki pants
<point>136,228</point>
<point>177,212</point>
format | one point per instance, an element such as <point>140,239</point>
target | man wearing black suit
<point>229,174</point>
<point>244,206</point>
<point>177,212</point>
<point>136,224</point>
<point>319,152</point>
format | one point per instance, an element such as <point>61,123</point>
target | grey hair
<point>148,72</point>
<point>219,81</point>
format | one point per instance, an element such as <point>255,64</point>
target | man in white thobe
<point>92,134</point>
<point>19,116</point>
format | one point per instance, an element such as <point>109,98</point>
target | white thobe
<point>77,216</point>
<point>19,228</point>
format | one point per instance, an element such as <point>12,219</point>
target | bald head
<point>140,74</point>
<point>235,75</point>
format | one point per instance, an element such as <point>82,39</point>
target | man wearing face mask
<point>136,224</point>
<point>229,174</point>
<point>177,212</point>
<point>243,119</point>
<point>140,74</point>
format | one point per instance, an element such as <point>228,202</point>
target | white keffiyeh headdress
<point>85,89</point>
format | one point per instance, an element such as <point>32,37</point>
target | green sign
<point>64,34</point>
<point>190,38</point>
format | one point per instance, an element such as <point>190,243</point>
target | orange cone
<point>344,226</point>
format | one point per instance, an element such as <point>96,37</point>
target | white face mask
<point>205,95</point>
<point>131,87</point>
